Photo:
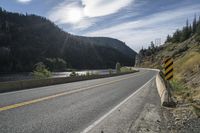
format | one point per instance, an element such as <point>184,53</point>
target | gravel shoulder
<point>181,119</point>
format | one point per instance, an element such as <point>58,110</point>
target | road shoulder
<point>141,113</point>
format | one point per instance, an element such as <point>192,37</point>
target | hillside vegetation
<point>184,47</point>
<point>26,40</point>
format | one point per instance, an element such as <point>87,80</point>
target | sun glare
<point>74,15</point>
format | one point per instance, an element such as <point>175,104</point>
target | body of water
<point>26,76</point>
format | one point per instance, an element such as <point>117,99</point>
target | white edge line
<point>115,108</point>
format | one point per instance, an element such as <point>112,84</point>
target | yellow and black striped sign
<point>168,65</point>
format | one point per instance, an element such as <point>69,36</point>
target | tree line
<point>186,32</point>
<point>178,36</point>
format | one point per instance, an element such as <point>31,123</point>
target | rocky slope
<point>185,117</point>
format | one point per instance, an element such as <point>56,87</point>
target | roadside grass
<point>126,69</point>
<point>192,63</point>
<point>181,92</point>
<point>196,93</point>
<point>187,95</point>
<point>178,87</point>
<point>185,67</point>
<point>189,63</point>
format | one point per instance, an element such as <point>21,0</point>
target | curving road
<point>68,108</point>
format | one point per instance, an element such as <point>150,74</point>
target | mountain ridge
<point>28,39</point>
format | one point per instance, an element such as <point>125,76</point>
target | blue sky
<point>136,22</point>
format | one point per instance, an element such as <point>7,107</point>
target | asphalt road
<point>67,108</point>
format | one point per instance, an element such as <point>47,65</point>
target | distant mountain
<point>110,42</point>
<point>28,39</point>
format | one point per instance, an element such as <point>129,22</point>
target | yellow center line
<point>60,94</point>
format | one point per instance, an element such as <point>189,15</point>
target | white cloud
<point>96,8</point>
<point>154,19</point>
<point>72,14</point>
<point>142,31</point>
<point>84,24</point>
<point>83,15</point>
<point>24,1</point>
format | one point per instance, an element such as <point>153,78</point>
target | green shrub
<point>91,73</point>
<point>177,86</point>
<point>181,92</point>
<point>73,74</point>
<point>126,69</point>
<point>41,71</point>
<point>87,73</point>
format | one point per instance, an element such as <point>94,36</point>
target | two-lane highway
<point>66,108</point>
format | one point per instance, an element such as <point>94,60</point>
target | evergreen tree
<point>169,38</point>
<point>176,36</point>
<point>198,27</point>
<point>194,26</point>
<point>186,32</point>
<point>153,48</point>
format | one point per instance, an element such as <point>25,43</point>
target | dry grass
<point>180,91</point>
<point>196,93</point>
<point>185,66</point>
<point>189,63</point>
<point>126,69</point>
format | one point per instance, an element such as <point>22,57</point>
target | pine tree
<point>176,36</point>
<point>198,27</point>
<point>190,30</point>
<point>169,38</point>
<point>186,32</point>
<point>153,49</point>
<point>194,26</point>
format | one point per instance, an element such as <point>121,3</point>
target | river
<point>28,75</point>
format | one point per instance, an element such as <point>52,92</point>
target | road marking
<point>115,108</point>
<point>61,94</point>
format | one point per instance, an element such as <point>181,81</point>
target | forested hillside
<point>28,39</point>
